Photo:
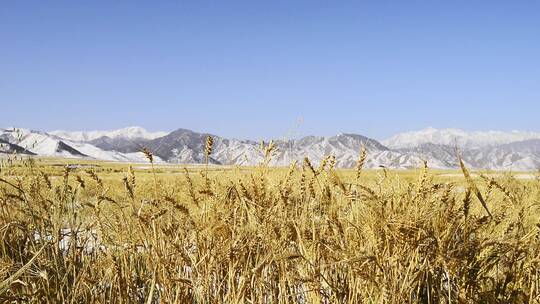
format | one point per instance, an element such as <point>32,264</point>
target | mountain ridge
<point>132,132</point>
<point>459,137</point>
<point>480,150</point>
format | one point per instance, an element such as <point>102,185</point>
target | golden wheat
<point>265,235</point>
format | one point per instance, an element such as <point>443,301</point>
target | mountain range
<point>516,150</point>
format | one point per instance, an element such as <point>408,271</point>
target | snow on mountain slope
<point>479,150</point>
<point>346,148</point>
<point>453,137</point>
<point>185,146</point>
<point>97,153</point>
<point>44,144</point>
<point>36,142</point>
<point>9,148</point>
<point>521,156</point>
<point>125,133</point>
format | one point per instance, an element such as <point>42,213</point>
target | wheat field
<point>310,233</point>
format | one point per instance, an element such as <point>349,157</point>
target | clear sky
<point>260,69</point>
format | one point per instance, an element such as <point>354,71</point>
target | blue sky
<point>261,69</point>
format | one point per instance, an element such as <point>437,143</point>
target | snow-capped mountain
<point>456,137</point>
<point>438,156</point>
<point>521,155</point>
<point>44,144</point>
<point>479,150</point>
<point>9,148</point>
<point>125,133</point>
<point>185,146</point>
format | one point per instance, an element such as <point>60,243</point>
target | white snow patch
<point>453,137</point>
<point>127,133</point>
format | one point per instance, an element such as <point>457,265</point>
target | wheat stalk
<point>361,162</point>
<point>472,186</point>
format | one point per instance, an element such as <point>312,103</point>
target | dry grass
<point>293,235</point>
